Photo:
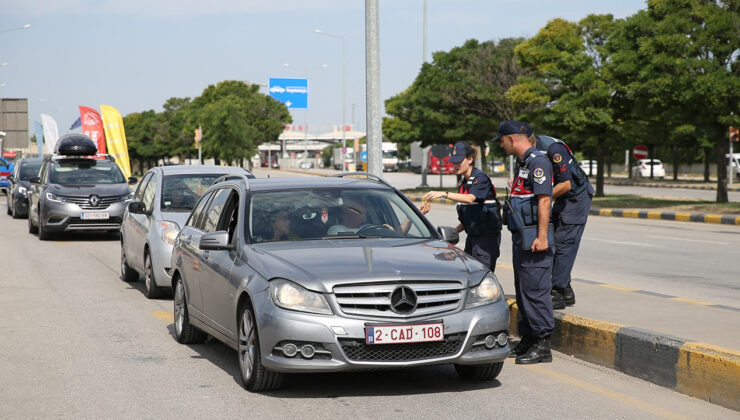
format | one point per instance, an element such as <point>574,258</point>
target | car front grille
<point>109,221</point>
<point>84,202</point>
<point>357,350</point>
<point>374,300</point>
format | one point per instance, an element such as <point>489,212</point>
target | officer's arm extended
<point>543,219</point>
<point>561,189</point>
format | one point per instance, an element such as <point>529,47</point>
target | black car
<point>19,184</point>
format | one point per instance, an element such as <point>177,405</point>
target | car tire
<point>9,212</point>
<point>185,333</point>
<point>486,372</point>
<point>31,228</point>
<point>128,274</point>
<point>151,290</point>
<point>255,377</point>
<point>44,234</point>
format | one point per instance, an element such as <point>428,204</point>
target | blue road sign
<point>363,156</point>
<point>292,92</point>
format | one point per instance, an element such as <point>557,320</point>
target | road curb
<point>663,185</point>
<point>724,219</point>
<point>696,369</point>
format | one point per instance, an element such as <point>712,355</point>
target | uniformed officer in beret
<point>572,193</point>
<point>528,218</point>
<point>478,209</point>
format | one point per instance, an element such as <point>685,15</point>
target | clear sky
<point>135,54</point>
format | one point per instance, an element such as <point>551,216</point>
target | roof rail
<point>230,177</point>
<point>365,174</point>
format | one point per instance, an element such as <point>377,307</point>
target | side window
<point>197,213</point>
<point>215,209</point>
<point>230,216</point>
<point>142,185</point>
<point>149,192</point>
<point>16,172</point>
<point>44,174</point>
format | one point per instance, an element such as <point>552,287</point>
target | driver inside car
<point>353,216</point>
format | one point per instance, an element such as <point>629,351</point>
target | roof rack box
<point>76,145</point>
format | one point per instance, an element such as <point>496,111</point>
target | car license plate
<point>400,334</point>
<point>95,215</point>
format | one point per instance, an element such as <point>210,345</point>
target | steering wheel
<point>378,230</point>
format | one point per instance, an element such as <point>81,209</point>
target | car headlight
<point>22,190</point>
<point>488,291</point>
<point>289,295</point>
<point>55,198</point>
<point>168,231</point>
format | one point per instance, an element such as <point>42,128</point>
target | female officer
<point>477,208</point>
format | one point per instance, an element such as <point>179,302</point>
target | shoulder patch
<point>538,173</point>
<point>557,158</point>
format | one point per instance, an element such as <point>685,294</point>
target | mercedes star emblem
<point>403,300</point>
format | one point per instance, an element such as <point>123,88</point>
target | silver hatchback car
<point>332,274</point>
<point>161,204</point>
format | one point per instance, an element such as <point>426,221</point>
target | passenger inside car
<point>353,215</point>
<point>281,227</point>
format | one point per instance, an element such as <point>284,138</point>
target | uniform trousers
<point>532,281</point>
<point>484,248</point>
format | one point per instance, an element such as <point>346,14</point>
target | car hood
<point>103,190</point>
<point>320,265</point>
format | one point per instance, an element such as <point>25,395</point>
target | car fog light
<point>308,351</point>
<point>502,339</point>
<point>490,341</point>
<point>290,350</point>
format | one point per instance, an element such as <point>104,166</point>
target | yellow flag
<point>115,137</point>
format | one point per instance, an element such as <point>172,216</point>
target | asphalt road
<point>77,342</point>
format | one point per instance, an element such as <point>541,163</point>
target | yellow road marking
<point>631,213</point>
<point>607,393</point>
<point>654,214</point>
<point>698,302</point>
<point>614,286</point>
<point>713,218</point>
<point>164,316</point>
<point>507,266</point>
<point>683,217</point>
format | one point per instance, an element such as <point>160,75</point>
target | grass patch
<point>640,202</point>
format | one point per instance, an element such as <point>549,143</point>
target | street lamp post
<point>344,89</point>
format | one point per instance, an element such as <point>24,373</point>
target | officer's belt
<point>522,196</point>
<point>471,204</point>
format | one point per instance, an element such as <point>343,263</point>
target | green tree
<point>458,96</point>
<point>143,136</point>
<point>678,66</point>
<point>236,118</point>
<point>569,94</point>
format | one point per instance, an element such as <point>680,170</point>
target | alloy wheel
<point>247,344</point>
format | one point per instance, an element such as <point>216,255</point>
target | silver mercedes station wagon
<point>332,274</point>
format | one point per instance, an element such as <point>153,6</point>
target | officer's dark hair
<point>470,151</point>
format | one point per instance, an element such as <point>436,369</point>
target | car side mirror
<point>215,241</point>
<point>11,178</point>
<point>449,234</point>
<point>136,207</point>
<point>35,180</point>
<point>132,180</point>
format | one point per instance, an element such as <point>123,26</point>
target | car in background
<point>496,168</point>
<point>19,185</point>
<point>160,206</point>
<point>590,167</point>
<point>328,274</point>
<point>642,168</point>
<point>270,163</point>
<point>6,168</point>
<point>77,190</point>
<point>306,165</point>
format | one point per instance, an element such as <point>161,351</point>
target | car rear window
<point>181,192</point>
<point>29,170</point>
<point>85,172</point>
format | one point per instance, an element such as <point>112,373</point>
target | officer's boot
<point>568,296</point>
<point>522,346</point>
<point>557,298</point>
<point>538,353</point>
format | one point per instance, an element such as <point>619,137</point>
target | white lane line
<point>686,240</point>
<point>625,243</point>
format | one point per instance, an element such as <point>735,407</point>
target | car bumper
<point>20,203</point>
<point>161,257</point>
<point>67,217</point>
<point>340,342</point>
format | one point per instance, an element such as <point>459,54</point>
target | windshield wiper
<point>356,236</point>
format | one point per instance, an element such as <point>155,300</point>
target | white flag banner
<point>51,133</point>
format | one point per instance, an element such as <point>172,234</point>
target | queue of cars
<point>297,275</point>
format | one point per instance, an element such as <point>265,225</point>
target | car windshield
<point>331,213</point>
<point>85,172</point>
<point>181,192</point>
<point>29,170</point>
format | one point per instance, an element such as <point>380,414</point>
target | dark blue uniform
<point>570,211</point>
<point>532,270</point>
<point>481,218</point>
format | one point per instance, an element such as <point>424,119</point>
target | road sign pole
<point>731,174</point>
